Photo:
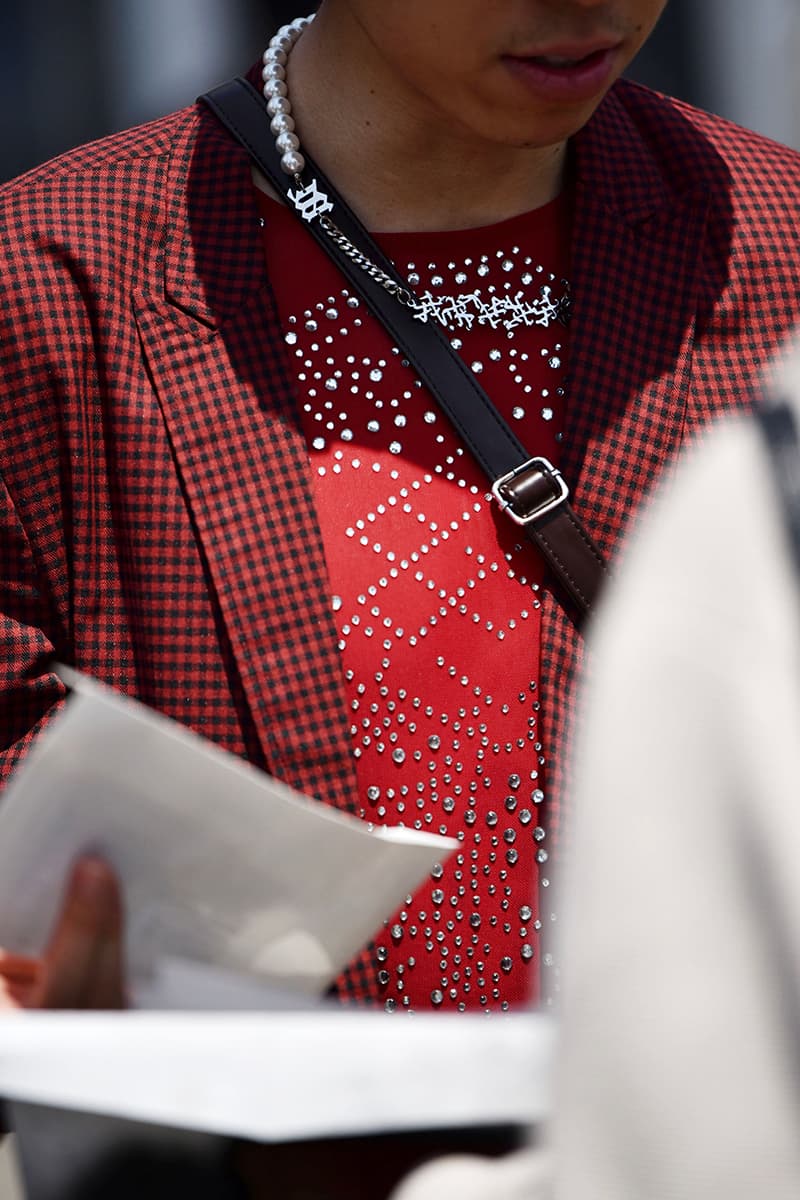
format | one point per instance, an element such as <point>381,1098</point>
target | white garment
<point>680,1064</point>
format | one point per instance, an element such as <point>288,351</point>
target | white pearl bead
<point>285,142</point>
<point>283,123</point>
<point>273,54</point>
<point>273,70</point>
<point>278,104</point>
<point>275,87</point>
<point>293,163</point>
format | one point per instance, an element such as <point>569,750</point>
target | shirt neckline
<point>546,218</point>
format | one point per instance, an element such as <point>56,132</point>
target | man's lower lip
<point>580,80</point>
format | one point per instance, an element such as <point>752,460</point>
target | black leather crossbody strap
<point>530,490</point>
<point>778,427</point>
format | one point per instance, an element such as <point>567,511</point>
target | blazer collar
<point>213,258</point>
<point>617,163</point>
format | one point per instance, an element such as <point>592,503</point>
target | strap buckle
<point>530,491</point>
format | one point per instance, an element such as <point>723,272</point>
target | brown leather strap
<point>531,491</point>
<point>535,497</point>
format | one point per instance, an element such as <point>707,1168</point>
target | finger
<point>83,961</point>
<point>18,966</point>
<point>20,980</point>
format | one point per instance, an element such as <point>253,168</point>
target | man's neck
<point>398,167</point>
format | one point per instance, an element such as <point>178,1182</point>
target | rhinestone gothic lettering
<point>508,312</point>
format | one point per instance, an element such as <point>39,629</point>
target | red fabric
<point>436,595</point>
<point>157,525</point>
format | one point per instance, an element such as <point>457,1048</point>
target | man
<point>227,494</point>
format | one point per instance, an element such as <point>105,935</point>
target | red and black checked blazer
<point>156,522</point>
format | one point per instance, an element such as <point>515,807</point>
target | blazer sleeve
<point>33,621</point>
<point>28,688</point>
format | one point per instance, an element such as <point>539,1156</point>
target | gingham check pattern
<point>156,523</point>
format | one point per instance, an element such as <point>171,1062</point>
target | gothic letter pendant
<point>310,202</point>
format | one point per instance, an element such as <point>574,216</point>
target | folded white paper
<point>283,1076</point>
<point>219,863</point>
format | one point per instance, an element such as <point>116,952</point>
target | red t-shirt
<point>434,591</point>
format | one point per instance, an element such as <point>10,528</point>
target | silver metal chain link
<point>400,293</point>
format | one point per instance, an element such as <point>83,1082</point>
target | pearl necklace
<point>276,93</point>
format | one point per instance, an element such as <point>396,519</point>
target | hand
<point>82,966</point>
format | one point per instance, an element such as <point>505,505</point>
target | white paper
<point>280,1077</point>
<point>219,863</point>
<point>178,983</point>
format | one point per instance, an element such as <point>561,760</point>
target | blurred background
<point>72,70</point>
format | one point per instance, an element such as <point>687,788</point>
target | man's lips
<point>568,53</point>
<point>562,61</point>
<point>576,72</point>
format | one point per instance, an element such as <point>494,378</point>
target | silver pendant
<point>310,202</point>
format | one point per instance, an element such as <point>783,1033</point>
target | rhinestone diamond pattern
<point>435,598</point>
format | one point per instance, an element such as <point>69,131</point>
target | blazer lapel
<point>636,246</point>
<point>211,337</point>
